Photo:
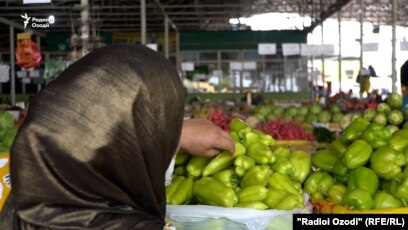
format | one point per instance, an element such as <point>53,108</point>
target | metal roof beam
<point>333,8</point>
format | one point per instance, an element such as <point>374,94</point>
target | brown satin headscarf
<point>93,151</point>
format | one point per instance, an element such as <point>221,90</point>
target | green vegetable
<point>228,177</point>
<point>358,199</point>
<point>236,125</point>
<point>283,165</point>
<point>354,130</point>
<point>212,192</point>
<point>254,205</point>
<point>385,200</point>
<point>281,200</point>
<point>376,135</point>
<point>338,147</point>
<point>395,117</point>
<point>281,151</point>
<point>180,170</point>
<point>182,158</point>
<point>394,100</point>
<point>175,182</point>
<point>183,192</point>
<point>336,193</point>
<point>243,164</point>
<point>387,162</point>
<point>258,175</point>
<point>399,139</point>
<point>383,108</point>
<point>6,120</point>
<point>252,194</point>
<point>339,168</point>
<point>302,162</point>
<point>282,182</point>
<point>357,154</point>
<point>260,153</point>
<point>196,165</point>
<point>318,184</point>
<point>324,159</point>
<point>364,178</point>
<point>369,114</point>
<point>223,160</point>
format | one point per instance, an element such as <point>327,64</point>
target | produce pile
<point>253,177</point>
<point>366,167</point>
<point>308,114</point>
<point>285,130</point>
<point>7,131</point>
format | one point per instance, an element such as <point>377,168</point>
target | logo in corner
<point>27,19</point>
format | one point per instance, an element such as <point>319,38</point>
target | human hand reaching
<point>201,137</point>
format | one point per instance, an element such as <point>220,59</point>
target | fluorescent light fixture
<point>35,1</point>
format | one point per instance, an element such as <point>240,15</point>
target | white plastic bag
<point>4,73</point>
<point>193,217</point>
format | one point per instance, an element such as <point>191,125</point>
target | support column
<point>339,58</point>
<point>166,37</point>
<point>394,51</point>
<point>84,29</point>
<point>143,22</point>
<point>12,68</point>
<point>361,35</point>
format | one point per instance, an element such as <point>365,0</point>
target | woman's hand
<point>201,137</point>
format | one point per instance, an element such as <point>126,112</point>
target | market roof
<point>124,15</point>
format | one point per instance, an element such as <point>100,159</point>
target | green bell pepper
<point>281,200</point>
<point>281,181</point>
<point>399,139</point>
<point>387,162</point>
<point>302,162</point>
<point>183,192</point>
<point>336,193</point>
<point>182,157</point>
<point>260,153</point>
<point>376,135</point>
<point>228,177</point>
<point>364,178</point>
<point>212,192</point>
<point>385,200</point>
<point>196,165</point>
<point>340,179</point>
<point>358,199</point>
<point>318,184</point>
<point>281,151</point>
<point>235,136</point>
<point>324,159</point>
<point>236,125</point>
<point>405,152</point>
<point>357,154</point>
<point>252,194</point>
<point>354,130</point>
<point>258,205</point>
<point>338,147</point>
<point>258,175</point>
<point>180,170</point>
<point>175,182</point>
<point>243,164</point>
<point>283,165</point>
<point>223,160</point>
<point>399,187</point>
<point>249,138</point>
<point>339,168</point>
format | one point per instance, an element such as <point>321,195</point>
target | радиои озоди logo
<point>36,22</point>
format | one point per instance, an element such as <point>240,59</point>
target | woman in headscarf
<point>96,143</point>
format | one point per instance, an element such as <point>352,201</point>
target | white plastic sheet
<point>218,218</point>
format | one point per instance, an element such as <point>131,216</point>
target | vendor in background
<point>363,79</point>
<point>98,142</point>
<point>404,83</point>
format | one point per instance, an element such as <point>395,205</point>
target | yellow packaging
<point>5,182</point>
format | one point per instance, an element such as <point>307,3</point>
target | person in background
<point>404,83</point>
<point>97,142</point>
<point>363,79</point>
